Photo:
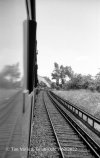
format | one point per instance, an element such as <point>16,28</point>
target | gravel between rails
<point>43,144</point>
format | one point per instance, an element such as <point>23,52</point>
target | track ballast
<point>68,143</point>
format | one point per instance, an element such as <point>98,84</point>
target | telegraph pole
<point>30,47</point>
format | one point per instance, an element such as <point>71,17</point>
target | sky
<point>68,32</point>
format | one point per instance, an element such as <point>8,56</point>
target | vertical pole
<point>36,68</point>
<point>30,46</point>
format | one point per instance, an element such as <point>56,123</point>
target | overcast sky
<point>68,32</point>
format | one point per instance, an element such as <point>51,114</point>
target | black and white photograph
<point>49,78</point>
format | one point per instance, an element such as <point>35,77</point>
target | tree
<point>60,73</point>
<point>97,81</point>
<point>53,85</point>
<point>69,72</point>
<point>87,81</point>
<point>65,72</point>
<point>80,81</point>
<point>76,81</point>
<point>56,73</point>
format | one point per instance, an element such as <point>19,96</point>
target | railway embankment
<point>85,99</point>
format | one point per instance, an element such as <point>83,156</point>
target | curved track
<point>70,141</point>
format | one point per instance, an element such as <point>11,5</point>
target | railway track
<point>43,141</point>
<point>86,118</point>
<point>70,139</point>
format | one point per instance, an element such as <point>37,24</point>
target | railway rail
<point>71,140</point>
<point>89,120</point>
<point>42,137</point>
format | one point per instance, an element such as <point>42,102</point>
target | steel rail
<point>90,121</point>
<point>95,148</point>
<point>56,138</point>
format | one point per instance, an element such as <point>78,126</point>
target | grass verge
<point>85,99</point>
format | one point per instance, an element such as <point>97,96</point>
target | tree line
<point>66,79</point>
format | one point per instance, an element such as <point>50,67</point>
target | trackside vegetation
<point>66,79</point>
<point>85,99</point>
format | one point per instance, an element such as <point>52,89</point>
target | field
<point>85,99</point>
<point>6,93</point>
